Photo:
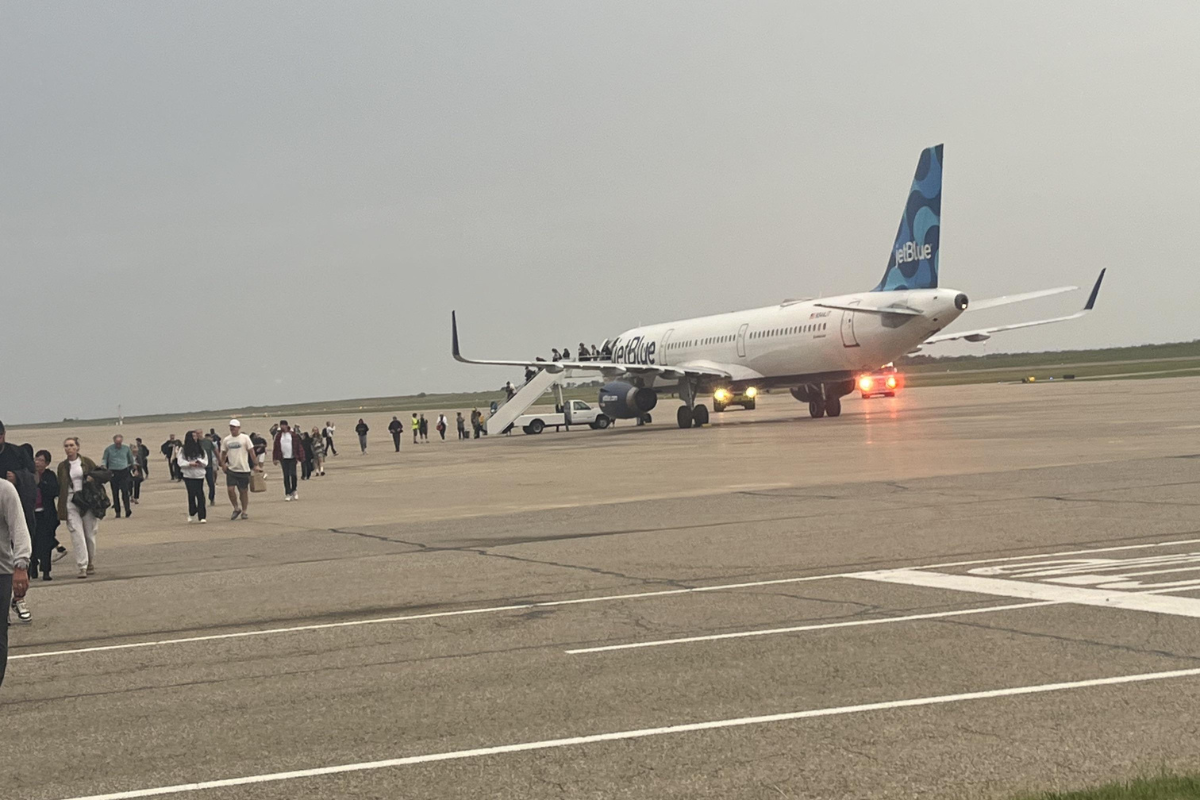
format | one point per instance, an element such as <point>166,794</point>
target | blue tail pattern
<point>914,260</point>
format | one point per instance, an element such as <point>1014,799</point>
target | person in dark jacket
<point>287,450</point>
<point>361,429</point>
<point>423,425</point>
<point>168,449</point>
<point>306,466</point>
<point>22,477</point>
<point>260,447</point>
<point>45,516</point>
<point>141,457</point>
<point>211,452</point>
<point>396,429</point>
<point>16,467</point>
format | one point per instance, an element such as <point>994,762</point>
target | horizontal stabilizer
<point>983,334</point>
<point>1004,300</point>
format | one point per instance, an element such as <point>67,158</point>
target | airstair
<point>525,397</point>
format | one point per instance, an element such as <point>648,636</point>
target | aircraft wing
<point>608,369</point>
<point>982,334</point>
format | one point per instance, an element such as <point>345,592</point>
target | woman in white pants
<point>82,524</point>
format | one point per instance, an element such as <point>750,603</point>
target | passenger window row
<point>810,328</point>
<point>813,327</point>
<point>700,342</point>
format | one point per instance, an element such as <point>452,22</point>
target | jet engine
<point>621,400</point>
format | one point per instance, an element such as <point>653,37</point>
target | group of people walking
<point>35,499</point>
<point>584,353</point>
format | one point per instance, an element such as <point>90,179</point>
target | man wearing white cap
<point>237,462</point>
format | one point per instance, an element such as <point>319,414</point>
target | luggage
<point>258,483</point>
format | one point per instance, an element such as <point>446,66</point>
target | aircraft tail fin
<point>913,263</point>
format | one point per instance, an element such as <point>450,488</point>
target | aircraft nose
<point>960,302</point>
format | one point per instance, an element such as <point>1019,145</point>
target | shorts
<point>239,479</point>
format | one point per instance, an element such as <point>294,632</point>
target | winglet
<point>454,337</point>
<point>1095,291</point>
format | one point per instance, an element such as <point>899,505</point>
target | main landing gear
<point>691,414</point>
<point>824,400</point>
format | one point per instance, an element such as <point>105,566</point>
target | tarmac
<point>967,591</point>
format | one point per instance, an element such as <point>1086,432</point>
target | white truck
<point>576,412</point>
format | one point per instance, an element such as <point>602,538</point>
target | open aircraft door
<point>741,340</point>
<point>848,337</point>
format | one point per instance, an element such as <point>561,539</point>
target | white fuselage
<point>782,344</point>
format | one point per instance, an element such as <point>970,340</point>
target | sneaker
<point>236,513</point>
<point>287,498</point>
<point>245,515</point>
<point>46,577</point>
<point>83,573</point>
<point>191,519</point>
<point>295,495</point>
<point>203,521</point>
<point>59,554</point>
<point>22,610</point>
<point>91,568</point>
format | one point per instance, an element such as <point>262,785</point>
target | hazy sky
<point>211,204</point>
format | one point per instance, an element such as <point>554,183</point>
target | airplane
<point>816,347</point>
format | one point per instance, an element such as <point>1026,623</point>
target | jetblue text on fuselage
<point>636,351</point>
<point>911,251</point>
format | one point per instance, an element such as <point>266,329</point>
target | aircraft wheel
<point>816,409</point>
<point>684,417</point>
<point>699,416</point>
<point>833,406</point>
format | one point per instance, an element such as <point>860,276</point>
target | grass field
<point>1161,360</point>
<point>1177,359</point>
<point>1163,787</point>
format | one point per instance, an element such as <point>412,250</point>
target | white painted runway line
<point>817,627</point>
<point>554,604</point>
<point>1154,602</point>
<point>640,733</point>
<point>415,617</point>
